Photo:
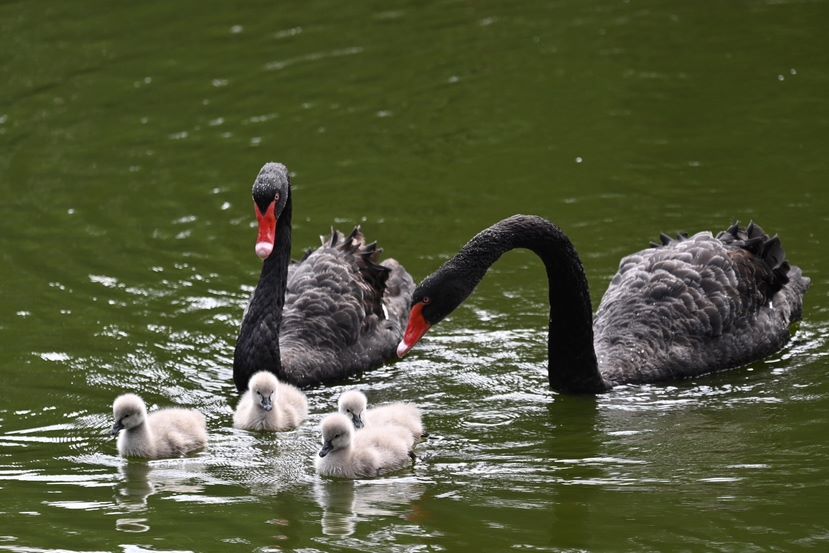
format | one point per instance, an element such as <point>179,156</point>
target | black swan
<point>685,307</point>
<point>332,314</point>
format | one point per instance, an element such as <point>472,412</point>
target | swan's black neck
<point>257,348</point>
<point>572,363</point>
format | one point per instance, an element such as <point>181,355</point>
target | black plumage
<point>335,313</point>
<point>684,307</point>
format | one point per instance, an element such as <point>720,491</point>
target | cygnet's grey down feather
<point>404,415</point>
<point>170,432</point>
<point>270,405</point>
<point>364,454</point>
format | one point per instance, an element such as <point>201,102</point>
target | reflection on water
<point>346,502</point>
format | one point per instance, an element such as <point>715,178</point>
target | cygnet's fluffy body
<point>270,405</point>
<point>164,433</point>
<point>406,415</point>
<point>364,454</point>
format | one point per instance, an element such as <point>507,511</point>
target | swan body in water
<point>364,454</point>
<point>335,313</point>
<point>164,433</point>
<point>270,405</point>
<point>406,416</point>
<point>685,307</point>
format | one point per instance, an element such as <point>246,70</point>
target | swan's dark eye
<point>426,300</point>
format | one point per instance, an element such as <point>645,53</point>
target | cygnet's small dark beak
<point>326,449</point>
<point>358,421</point>
<point>266,404</point>
<point>117,427</point>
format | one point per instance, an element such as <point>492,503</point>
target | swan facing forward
<point>270,405</point>
<point>685,307</point>
<point>405,415</point>
<point>333,314</point>
<point>364,454</point>
<point>170,432</point>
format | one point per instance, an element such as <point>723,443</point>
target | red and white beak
<point>267,231</point>
<point>414,332</point>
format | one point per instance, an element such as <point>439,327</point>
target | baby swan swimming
<point>164,433</point>
<point>270,405</point>
<point>364,454</point>
<point>353,404</point>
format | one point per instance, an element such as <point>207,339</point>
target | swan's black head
<point>270,195</point>
<point>437,296</point>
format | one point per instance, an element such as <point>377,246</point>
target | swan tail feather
<point>766,250</point>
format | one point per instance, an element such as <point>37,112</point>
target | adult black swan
<point>333,314</point>
<point>685,307</point>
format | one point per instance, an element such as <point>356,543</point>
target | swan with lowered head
<point>333,314</point>
<point>685,307</point>
<point>170,432</point>
<point>270,405</point>
<point>352,403</point>
<point>364,454</point>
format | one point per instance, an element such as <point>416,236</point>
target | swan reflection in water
<point>345,502</point>
<point>138,480</point>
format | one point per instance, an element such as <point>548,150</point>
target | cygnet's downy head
<point>262,386</point>
<point>129,411</point>
<point>353,404</point>
<point>336,433</point>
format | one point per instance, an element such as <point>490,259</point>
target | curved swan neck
<point>257,348</point>
<point>572,365</point>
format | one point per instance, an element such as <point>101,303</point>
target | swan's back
<point>344,312</point>
<point>695,305</point>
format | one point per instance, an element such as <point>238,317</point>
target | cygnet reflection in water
<point>345,502</point>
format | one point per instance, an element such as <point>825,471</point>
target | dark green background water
<point>130,134</point>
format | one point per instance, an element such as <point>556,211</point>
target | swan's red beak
<point>267,230</point>
<point>414,332</point>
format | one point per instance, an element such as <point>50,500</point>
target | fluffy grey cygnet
<point>364,454</point>
<point>353,404</point>
<point>164,433</point>
<point>270,405</point>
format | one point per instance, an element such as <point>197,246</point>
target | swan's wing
<point>335,321</point>
<point>694,305</point>
<point>398,296</point>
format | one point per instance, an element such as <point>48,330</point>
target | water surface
<point>130,136</point>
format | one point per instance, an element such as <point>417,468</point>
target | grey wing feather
<point>695,305</point>
<point>344,312</point>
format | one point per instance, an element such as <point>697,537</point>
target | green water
<point>130,134</point>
